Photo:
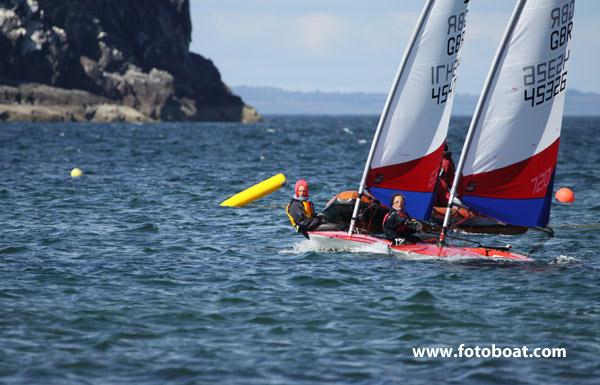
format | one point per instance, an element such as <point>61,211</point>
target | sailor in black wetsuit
<point>398,226</point>
<point>301,210</point>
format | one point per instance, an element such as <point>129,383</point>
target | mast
<point>386,109</point>
<point>478,109</point>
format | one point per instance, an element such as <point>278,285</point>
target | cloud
<point>319,33</point>
<point>340,45</point>
<point>297,34</point>
<point>247,25</point>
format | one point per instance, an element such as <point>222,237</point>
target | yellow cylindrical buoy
<point>565,195</point>
<point>76,172</point>
<point>255,192</point>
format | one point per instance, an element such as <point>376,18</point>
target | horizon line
<point>318,91</point>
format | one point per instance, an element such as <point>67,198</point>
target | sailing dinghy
<point>506,169</point>
<point>338,214</point>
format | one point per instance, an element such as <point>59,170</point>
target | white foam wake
<point>564,260</point>
<point>308,246</point>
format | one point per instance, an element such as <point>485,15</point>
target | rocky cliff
<point>82,59</point>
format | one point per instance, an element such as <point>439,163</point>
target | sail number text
<point>542,181</point>
<point>443,76</point>
<point>543,81</point>
<point>562,25</point>
<point>456,31</point>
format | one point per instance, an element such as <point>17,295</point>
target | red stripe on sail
<point>419,175</point>
<point>523,180</point>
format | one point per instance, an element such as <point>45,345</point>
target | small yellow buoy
<point>76,172</point>
<point>565,195</point>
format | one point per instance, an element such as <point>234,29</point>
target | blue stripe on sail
<point>418,204</point>
<point>520,212</point>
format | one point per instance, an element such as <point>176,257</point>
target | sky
<point>356,45</point>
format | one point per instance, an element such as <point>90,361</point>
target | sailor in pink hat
<point>301,210</point>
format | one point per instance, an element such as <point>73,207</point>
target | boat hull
<point>469,221</point>
<point>340,240</point>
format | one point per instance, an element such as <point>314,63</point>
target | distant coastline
<point>273,100</point>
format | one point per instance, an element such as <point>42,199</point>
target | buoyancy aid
<point>295,215</point>
<point>401,225</point>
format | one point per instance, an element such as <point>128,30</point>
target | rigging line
<point>590,226</point>
<point>536,247</point>
<point>433,226</point>
<point>546,230</point>
<point>539,245</point>
<point>463,239</point>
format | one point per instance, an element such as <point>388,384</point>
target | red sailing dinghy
<point>506,168</point>
<point>340,240</point>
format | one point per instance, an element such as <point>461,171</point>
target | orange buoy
<point>565,195</point>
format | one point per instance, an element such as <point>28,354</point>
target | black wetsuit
<point>397,224</point>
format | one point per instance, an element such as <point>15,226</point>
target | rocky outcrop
<point>94,53</point>
<point>39,102</point>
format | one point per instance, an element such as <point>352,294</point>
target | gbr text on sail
<point>443,76</point>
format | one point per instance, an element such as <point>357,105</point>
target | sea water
<point>133,274</point>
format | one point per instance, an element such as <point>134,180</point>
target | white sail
<point>408,150</point>
<point>509,167</point>
<point>419,114</point>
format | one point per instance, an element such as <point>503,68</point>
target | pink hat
<point>301,182</point>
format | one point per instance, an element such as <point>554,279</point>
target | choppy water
<point>132,274</point>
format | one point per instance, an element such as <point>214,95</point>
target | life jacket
<point>309,211</point>
<point>401,228</point>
